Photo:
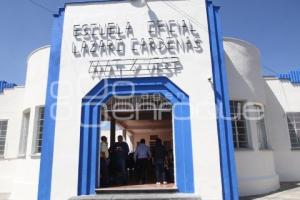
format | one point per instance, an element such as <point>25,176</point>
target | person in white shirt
<point>104,147</point>
<point>104,179</point>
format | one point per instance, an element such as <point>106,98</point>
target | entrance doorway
<point>145,119</point>
<point>91,124</point>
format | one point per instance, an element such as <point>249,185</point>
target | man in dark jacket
<point>120,152</point>
<point>159,156</point>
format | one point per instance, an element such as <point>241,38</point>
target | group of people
<point>114,162</point>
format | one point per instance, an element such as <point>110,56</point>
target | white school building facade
<point>148,69</point>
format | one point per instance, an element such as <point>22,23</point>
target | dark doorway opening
<point>147,117</point>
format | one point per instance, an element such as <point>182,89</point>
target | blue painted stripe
<point>45,177</point>
<point>94,97</point>
<point>63,4</point>
<point>93,149</point>
<point>179,146</point>
<point>83,186</point>
<point>226,111</point>
<point>81,151</point>
<point>218,100</point>
<point>183,147</point>
<point>227,160</point>
<point>1,86</point>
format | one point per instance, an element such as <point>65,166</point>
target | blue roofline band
<point>293,76</point>
<point>5,85</point>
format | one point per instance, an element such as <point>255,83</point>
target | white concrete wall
<point>256,172</point>
<point>255,167</point>
<point>285,97</point>
<point>19,174</point>
<point>163,136</point>
<point>10,109</point>
<point>75,82</point>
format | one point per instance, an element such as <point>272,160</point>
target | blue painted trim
<point>45,177</point>
<point>83,154</point>
<point>83,186</point>
<point>182,131</point>
<point>95,121</point>
<point>60,8</point>
<point>226,149</point>
<point>94,94</point>
<point>1,86</point>
<point>226,110</point>
<point>293,76</point>
<point>6,85</point>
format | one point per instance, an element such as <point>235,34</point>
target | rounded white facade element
<point>244,68</point>
<point>37,76</point>
<point>255,167</point>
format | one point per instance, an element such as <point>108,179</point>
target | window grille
<point>239,129</point>
<point>3,131</point>
<point>293,119</point>
<point>24,134</point>
<point>39,130</point>
<point>261,127</point>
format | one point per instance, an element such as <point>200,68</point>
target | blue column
<point>227,161</point>
<point>94,145</point>
<point>83,177</point>
<point>183,148</point>
<point>45,177</point>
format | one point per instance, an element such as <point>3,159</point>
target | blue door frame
<point>90,127</point>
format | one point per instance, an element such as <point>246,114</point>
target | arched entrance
<point>91,118</point>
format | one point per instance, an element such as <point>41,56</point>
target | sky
<point>271,25</point>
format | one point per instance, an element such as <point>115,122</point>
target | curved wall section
<point>36,78</point>
<point>244,68</point>
<point>255,167</point>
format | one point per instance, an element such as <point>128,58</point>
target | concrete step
<point>139,196</point>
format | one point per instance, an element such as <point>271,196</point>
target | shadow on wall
<point>286,160</point>
<point>276,122</point>
<point>235,77</point>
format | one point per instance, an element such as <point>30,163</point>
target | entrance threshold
<point>140,196</point>
<point>142,188</point>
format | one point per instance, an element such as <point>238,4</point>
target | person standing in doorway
<point>142,155</point>
<point>120,152</point>
<point>159,157</point>
<point>104,179</point>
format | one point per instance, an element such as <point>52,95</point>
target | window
<point>3,131</point>
<point>24,134</point>
<point>39,130</point>
<point>261,127</point>
<point>293,120</point>
<point>239,129</point>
